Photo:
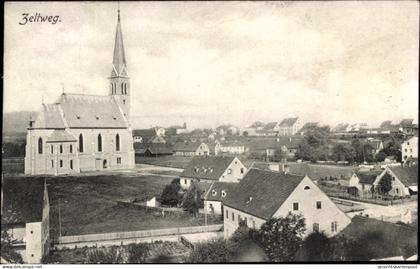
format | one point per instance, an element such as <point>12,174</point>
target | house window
<point>61,163</point>
<point>334,226</point>
<point>214,192</point>
<point>61,149</point>
<point>306,188</point>
<point>71,164</point>
<point>71,148</point>
<point>227,214</point>
<point>118,160</point>
<point>242,170</point>
<point>253,224</point>
<point>318,205</point>
<point>117,142</point>
<point>80,143</point>
<point>99,142</point>
<point>229,171</point>
<point>233,216</point>
<point>52,163</point>
<point>185,181</point>
<point>40,145</point>
<point>295,206</point>
<point>315,227</point>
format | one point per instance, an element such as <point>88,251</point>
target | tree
<point>7,250</point>
<point>192,199</point>
<point>170,195</point>
<point>279,155</point>
<point>137,253</point>
<point>317,247</point>
<point>314,145</point>
<point>380,157</point>
<point>281,237</point>
<point>385,184</point>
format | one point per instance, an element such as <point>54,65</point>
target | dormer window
<point>97,117</point>
<point>214,192</point>
<point>249,199</point>
<point>196,169</point>
<point>223,193</point>
<point>78,117</point>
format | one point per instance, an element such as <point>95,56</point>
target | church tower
<point>119,80</point>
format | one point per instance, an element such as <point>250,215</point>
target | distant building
<point>191,148</point>
<point>262,195</point>
<point>25,216</point>
<point>404,179</point>
<point>153,149</point>
<point>212,168</point>
<point>376,144</point>
<point>230,147</point>
<point>84,132</point>
<point>409,148</point>
<point>288,126</point>
<point>146,136</point>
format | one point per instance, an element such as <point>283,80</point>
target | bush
<point>214,251</point>
<point>137,253</point>
<point>109,255</point>
<point>170,195</point>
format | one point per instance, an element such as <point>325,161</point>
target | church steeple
<point>119,64</point>
<point>119,80</point>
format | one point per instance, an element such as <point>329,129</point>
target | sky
<point>212,63</point>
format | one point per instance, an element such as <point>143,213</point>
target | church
<point>80,132</point>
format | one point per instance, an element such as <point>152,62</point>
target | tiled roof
<point>186,146</point>
<point>22,200</point>
<point>288,122</point>
<point>207,167</point>
<point>154,148</point>
<point>61,136</point>
<point>144,132</point>
<point>408,175</point>
<point>318,172</point>
<point>215,191</point>
<point>368,177</point>
<point>91,111</point>
<point>270,125</point>
<point>261,193</point>
<point>49,117</point>
<point>263,143</point>
<point>406,122</point>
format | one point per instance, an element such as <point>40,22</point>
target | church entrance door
<point>98,164</point>
<point>104,164</point>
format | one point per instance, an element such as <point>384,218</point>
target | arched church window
<point>122,88</point>
<point>61,148</point>
<point>117,142</point>
<point>80,143</point>
<point>40,145</point>
<point>99,143</point>
<point>71,148</point>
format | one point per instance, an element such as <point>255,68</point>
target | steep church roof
<point>119,64</point>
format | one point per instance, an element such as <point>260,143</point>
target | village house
<point>148,136</point>
<point>84,132</point>
<point>229,147</point>
<point>376,145</point>
<point>153,149</point>
<point>409,148</point>
<point>212,168</point>
<point>215,196</point>
<point>361,183</point>
<point>25,216</point>
<point>262,195</point>
<point>288,126</point>
<point>404,180</point>
<point>188,148</point>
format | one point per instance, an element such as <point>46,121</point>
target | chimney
<point>285,168</point>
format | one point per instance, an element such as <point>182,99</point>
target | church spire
<point>119,64</point>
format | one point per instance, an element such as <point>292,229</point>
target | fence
<point>379,200</point>
<point>138,234</point>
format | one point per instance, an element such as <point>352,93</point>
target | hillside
<point>16,122</point>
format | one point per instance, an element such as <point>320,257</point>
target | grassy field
<point>88,205</point>
<point>389,239</point>
<point>168,161</point>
